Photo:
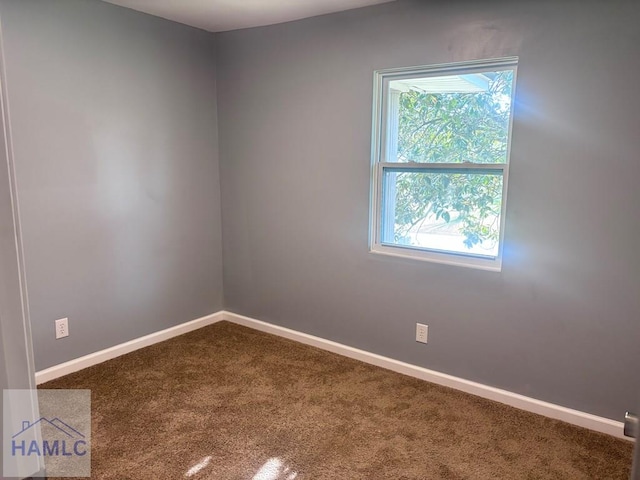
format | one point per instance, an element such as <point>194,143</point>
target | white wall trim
<point>575,417</point>
<point>117,350</point>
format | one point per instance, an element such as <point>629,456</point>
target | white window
<point>441,138</point>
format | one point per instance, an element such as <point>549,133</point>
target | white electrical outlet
<point>62,328</point>
<point>422,332</point>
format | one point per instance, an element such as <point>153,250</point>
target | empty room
<point>320,239</point>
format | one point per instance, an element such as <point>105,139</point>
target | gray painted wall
<point>115,136</point>
<point>561,322</point>
<point>114,126</point>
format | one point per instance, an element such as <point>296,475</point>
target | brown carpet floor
<point>228,402</point>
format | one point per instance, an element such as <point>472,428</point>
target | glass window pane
<point>451,118</point>
<point>449,212</point>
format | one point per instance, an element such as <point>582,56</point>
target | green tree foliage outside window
<point>454,128</point>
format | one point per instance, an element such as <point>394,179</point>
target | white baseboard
<point>112,352</point>
<point>575,417</point>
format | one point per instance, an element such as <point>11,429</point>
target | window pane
<point>450,119</point>
<point>450,212</point>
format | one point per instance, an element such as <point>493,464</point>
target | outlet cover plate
<point>62,328</point>
<point>422,332</point>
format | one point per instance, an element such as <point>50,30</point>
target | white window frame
<point>383,144</point>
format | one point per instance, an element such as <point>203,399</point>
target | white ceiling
<point>222,15</point>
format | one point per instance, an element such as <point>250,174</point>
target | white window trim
<point>379,163</point>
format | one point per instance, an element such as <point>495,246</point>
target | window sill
<point>480,263</point>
